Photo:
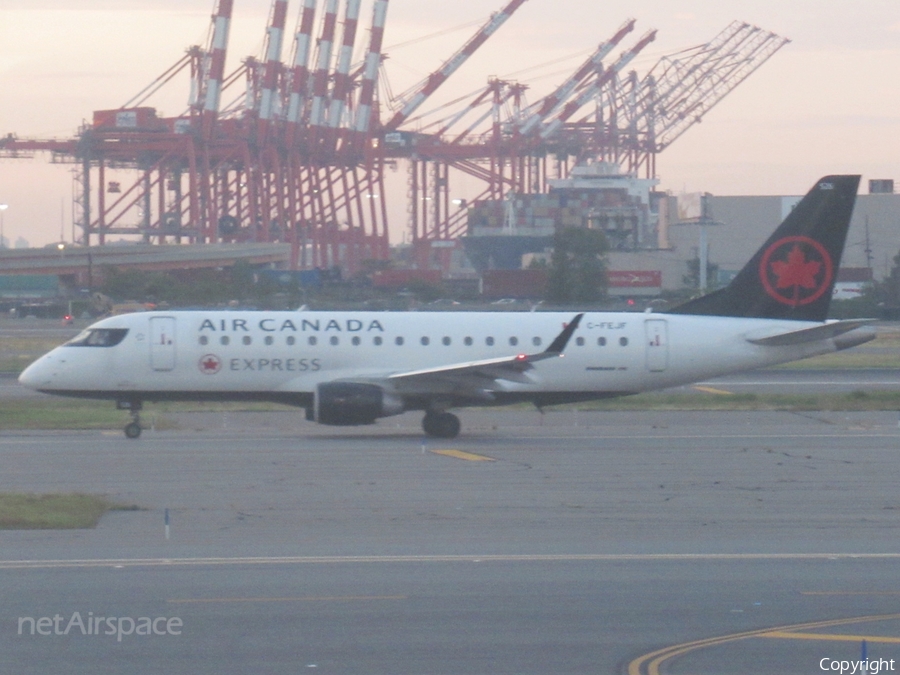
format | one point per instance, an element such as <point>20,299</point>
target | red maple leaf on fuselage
<point>796,271</point>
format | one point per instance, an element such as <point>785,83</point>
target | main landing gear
<point>133,428</point>
<point>441,425</point>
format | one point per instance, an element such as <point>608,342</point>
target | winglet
<point>559,344</point>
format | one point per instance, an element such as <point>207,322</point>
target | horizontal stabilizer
<point>821,332</point>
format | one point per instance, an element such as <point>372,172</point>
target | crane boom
<point>589,92</point>
<point>438,77</point>
<point>554,100</point>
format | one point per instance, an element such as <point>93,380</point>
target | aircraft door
<point>657,341</point>
<point>162,343</point>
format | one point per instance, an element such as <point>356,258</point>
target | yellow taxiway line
<point>649,664</point>
<point>787,635</point>
<point>712,390</point>
<point>336,598</point>
<point>459,454</point>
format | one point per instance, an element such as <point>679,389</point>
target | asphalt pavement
<point>570,542</point>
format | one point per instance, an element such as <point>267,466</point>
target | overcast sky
<point>828,102</point>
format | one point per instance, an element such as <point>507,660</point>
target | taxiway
<point>571,542</point>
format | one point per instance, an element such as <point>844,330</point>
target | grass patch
<point>17,353</point>
<point>847,360</point>
<point>222,406</point>
<point>54,511</point>
<point>852,401</point>
<point>70,414</point>
<point>84,415</point>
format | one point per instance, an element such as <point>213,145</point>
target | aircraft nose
<point>36,375</point>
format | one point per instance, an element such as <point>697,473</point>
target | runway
<point>571,542</point>
<point>788,381</point>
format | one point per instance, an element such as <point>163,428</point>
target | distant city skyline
<point>829,102</point>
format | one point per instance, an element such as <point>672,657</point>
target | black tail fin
<point>792,276</point>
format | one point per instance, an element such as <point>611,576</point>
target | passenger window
<point>204,340</point>
<point>291,340</point>
<point>468,342</point>
<point>425,341</point>
<point>224,340</point>
<point>579,341</point>
<point>536,341</point>
<point>377,340</point>
<point>513,341</point>
<point>334,340</point>
<point>312,340</point>
<point>489,341</point>
<point>398,341</point>
<point>601,342</point>
<point>247,340</point>
<point>269,340</point>
<point>623,341</point>
<point>446,341</point>
<point>355,341</point>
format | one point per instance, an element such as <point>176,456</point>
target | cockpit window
<point>98,337</point>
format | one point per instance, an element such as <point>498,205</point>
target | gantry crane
<point>297,151</point>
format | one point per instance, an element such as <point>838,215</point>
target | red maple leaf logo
<point>796,271</point>
<point>210,364</point>
<point>800,276</point>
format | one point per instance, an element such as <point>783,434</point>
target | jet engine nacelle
<point>353,403</point>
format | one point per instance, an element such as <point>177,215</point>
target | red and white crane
<point>442,74</point>
<point>321,183</point>
<point>363,122</point>
<point>272,65</point>
<point>300,72</point>
<point>342,84</point>
<point>211,87</point>
<point>591,91</point>
<point>551,103</point>
<point>323,64</point>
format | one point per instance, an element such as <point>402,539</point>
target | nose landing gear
<point>133,428</point>
<point>441,424</point>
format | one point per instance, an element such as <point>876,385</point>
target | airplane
<point>353,368</point>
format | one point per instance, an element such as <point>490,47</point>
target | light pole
<point>3,208</point>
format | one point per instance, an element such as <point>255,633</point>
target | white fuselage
<point>257,352</point>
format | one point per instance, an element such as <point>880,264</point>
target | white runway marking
<point>798,383</point>
<point>321,560</point>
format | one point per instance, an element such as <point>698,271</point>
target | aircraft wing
<point>475,375</point>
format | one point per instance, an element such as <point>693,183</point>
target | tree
<point>577,266</point>
<point>692,278</point>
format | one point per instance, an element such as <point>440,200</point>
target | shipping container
<point>403,278</point>
<point>29,286</point>
<point>521,284</point>
<point>136,119</point>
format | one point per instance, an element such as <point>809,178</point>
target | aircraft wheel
<point>441,425</point>
<point>133,430</point>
